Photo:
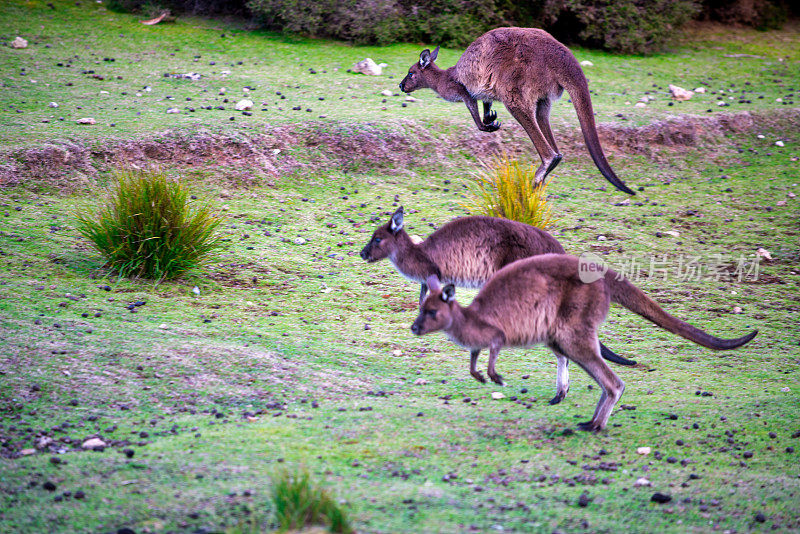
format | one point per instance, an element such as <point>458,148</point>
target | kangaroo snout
<point>415,328</point>
<point>402,87</point>
<point>365,253</point>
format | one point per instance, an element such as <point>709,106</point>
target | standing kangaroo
<point>527,70</point>
<point>466,252</point>
<point>542,300</point>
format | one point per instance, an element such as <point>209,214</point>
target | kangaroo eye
<point>377,240</point>
<point>431,313</point>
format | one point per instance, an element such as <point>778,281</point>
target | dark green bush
<point>762,14</point>
<point>626,26</point>
<point>444,22</point>
<point>149,227</point>
<point>194,7</point>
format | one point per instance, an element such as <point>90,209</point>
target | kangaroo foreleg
<point>473,366</point>
<point>489,116</point>
<point>472,106</point>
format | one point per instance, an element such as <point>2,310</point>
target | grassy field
<point>301,354</point>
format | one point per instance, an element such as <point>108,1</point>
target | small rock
<point>368,67</point>
<point>420,382</point>
<point>737,309</point>
<point>386,92</point>
<point>27,452</point>
<point>91,443</point>
<point>397,352</point>
<point>173,110</point>
<point>673,233</point>
<point>643,451</point>
<point>52,105</point>
<point>778,143</point>
<point>764,253</point>
<point>700,90</point>
<point>661,498</point>
<point>640,105</point>
<point>496,395</point>
<point>19,42</point>
<point>244,105</point>
<point>410,98</point>
<point>587,63</point>
<point>641,482</point>
<point>679,93</point>
<point>86,120</point>
<point>299,241</point>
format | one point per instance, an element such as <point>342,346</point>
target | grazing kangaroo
<point>527,70</point>
<point>466,252</point>
<point>542,300</point>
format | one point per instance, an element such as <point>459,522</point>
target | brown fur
<point>541,300</point>
<point>527,70</point>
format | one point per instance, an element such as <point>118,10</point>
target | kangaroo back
<point>573,80</point>
<point>623,292</point>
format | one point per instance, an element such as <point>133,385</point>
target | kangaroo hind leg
<point>562,378</point>
<point>542,145</point>
<point>586,353</point>
<point>543,120</point>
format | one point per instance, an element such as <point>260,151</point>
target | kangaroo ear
<point>435,54</point>
<point>396,224</point>
<point>425,58</point>
<point>433,283</point>
<point>449,293</point>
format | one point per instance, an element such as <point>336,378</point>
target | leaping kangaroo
<point>527,70</point>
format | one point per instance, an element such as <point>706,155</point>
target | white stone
<point>778,143</point>
<point>276,151</point>
<point>720,103</point>
<point>496,395</point>
<point>785,390</point>
<point>601,238</point>
<point>243,105</point>
<point>760,136</point>
<point>163,326</point>
<point>410,98</point>
<point>173,110</point>
<point>27,452</point>
<point>19,42</point>
<point>700,90</point>
<point>420,382</point>
<point>640,105</point>
<point>223,90</point>
<point>386,92</point>
<point>104,93</point>
<point>53,104</point>
<point>641,482</point>
<point>91,443</point>
<point>587,63</point>
<point>764,253</point>
<point>397,352</point>
<point>673,233</point>
<point>737,309</point>
<point>679,93</point>
<point>778,99</point>
<point>300,241</point>
<point>86,120</point>
<point>369,67</point>
<point>643,451</point>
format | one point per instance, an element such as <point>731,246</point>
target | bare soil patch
<point>349,147</point>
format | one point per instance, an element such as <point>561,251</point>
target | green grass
<point>301,355</point>
<point>84,38</point>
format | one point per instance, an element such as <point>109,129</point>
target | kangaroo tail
<point>611,356</point>
<point>625,293</point>
<point>578,89</point>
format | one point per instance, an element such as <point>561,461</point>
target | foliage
<point>149,228</point>
<point>762,14</point>
<point>445,22</point>
<point>625,26</point>
<point>300,503</point>
<point>508,189</point>
<point>195,7</point>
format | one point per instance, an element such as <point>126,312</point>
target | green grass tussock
<point>507,188</point>
<point>300,503</point>
<point>150,227</point>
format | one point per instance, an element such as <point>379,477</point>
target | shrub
<point>626,26</point>
<point>444,22</point>
<point>299,503</point>
<point>148,227</point>
<point>508,189</point>
<point>762,14</point>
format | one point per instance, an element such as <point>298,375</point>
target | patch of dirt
<point>342,146</point>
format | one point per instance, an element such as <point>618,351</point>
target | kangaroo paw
<point>489,117</point>
<point>478,376</point>
<point>491,127</point>
<point>553,164</point>
<point>558,398</point>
